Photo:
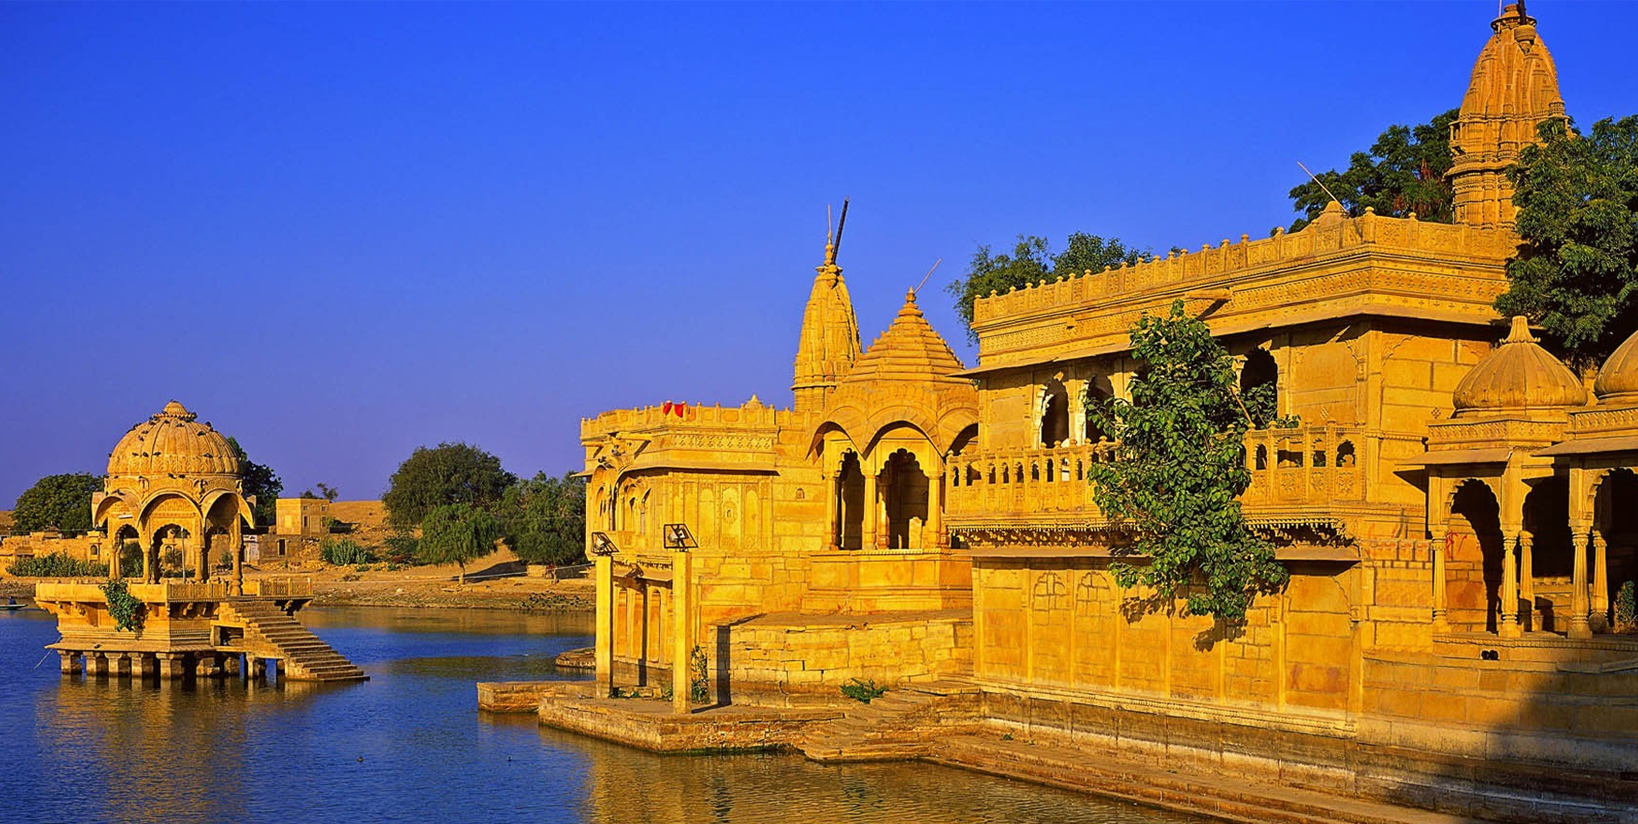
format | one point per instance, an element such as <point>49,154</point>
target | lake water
<point>410,745</point>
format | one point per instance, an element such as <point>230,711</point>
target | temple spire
<point>1514,88</point>
<point>829,343</point>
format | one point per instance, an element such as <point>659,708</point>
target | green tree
<point>545,518</point>
<point>1180,472</point>
<point>260,482</point>
<point>1577,268</point>
<point>450,473</point>
<point>1403,172</point>
<point>57,502</point>
<point>458,534</point>
<point>1032,261</point>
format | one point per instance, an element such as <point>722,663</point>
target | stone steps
<point>271,631</point>
<point>1231,797</point>
<point>899,725</point>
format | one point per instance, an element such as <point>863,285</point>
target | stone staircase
<point>903,724</point>
<point>271,633</point>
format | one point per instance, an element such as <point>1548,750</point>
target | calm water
<point>410,745</point>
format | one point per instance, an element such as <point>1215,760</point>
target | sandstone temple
<point>1456,509</point>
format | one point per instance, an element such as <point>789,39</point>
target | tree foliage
<point>1032,261</point>
<point>260,482</point>
<point>1180,472</point>
<point>1577,268</point>
<point>60,502</point>
<point>450,473</point>
<point>1403,172</point>
<point>545,519</point>
<point>458,533</point>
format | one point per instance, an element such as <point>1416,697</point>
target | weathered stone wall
<point>776,656</point>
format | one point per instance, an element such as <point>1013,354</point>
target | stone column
<point>96,664</point>
<point>872,508</point>
<point>1076,391</point>
<point>204,557</point>
<point>121,664</point>
<point>1578,583</point>
<point>71,662</point>
<point>170,665</point>
<point>604,653</point>
<point>146,664</point>
<point>1600,617</point>
<point>1440,622</point>
<point>833,493</point>
<point>1507,620</point>
<point>1527,582</point>
<point>682,633</point>
<point>935,510</point>
<point>238,569</point>
<point>114,571</point>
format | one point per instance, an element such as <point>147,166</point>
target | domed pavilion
<point>173,485</point>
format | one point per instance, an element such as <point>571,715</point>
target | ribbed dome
<point>1618,377</point>
<point>1514,75</point>
<point>908,350</point>
<point>172,442</point>
<point>1518,375</point>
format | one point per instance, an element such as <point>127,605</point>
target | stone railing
<point>1303,466</point>
<point>280,587</point>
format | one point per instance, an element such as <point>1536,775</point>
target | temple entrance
<point>905,486</point>
<point>849,503</point>
<point>1473,566</point>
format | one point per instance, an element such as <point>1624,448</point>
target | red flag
<point>680,407</point>
<point>666,410</point>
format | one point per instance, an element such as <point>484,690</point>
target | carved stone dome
<point>1618,377</point>
<point>909,350</point>
<point>173,443</point>
<point>1519,375</point>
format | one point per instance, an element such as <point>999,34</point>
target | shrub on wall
<point>56,565</point>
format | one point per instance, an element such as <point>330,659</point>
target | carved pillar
<point>935,510</point>
<point>238,567</point>
<point>682,634</point>
<point>1507,619</point>
<point>872,508</point>
<point>96,664</point>
<point>1527,582</point>
<point>170,665</point>
<point>833,508</point>
<point>121,664</point>
<point>114,571</point>
<point>1440,622</point>
<point>1578,583</point>
<point>71,661</point>
<point>146,664</point>
<point>1076,401</point>
<point>603,655</point>
<point>1600,616</point>
<point>203,574</point>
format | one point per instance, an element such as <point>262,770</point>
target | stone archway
<point>850,503</point>
<point>905,487</point>
<point>1614,549</point>
<point>1473,566</point>
<point>1546,558</point>
<point>1054,414</point>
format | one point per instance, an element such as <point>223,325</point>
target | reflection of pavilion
<point>173,485</point>
<point>1522,483</point>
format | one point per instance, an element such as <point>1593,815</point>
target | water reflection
<point>410,745</point>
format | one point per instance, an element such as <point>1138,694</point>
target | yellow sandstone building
<point>1457,511</point>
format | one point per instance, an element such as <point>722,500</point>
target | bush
<point>863,691</point>
<point>56,565</point>
<point>1626,608</point>
<point>130,559</point>
<point>170,564</point>
<point>401,549</point>
<point>345,552</point>
<point>125,608</point>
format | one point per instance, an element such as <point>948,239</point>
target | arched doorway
<point>1099,392</point>
<point>1614,549</point>
<point>1473,565</point>
<point>1259,387</point>
<point>1546,558</point>
<point>1054,414</point>
<point>850,503</point>
<point>167,553</point>
<point>906,486</point>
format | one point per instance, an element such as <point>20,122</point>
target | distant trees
<point>325,491</point>
<point>60,502</point>
<point>450,473</point>
<point>545,518</point>
<point>1403,172</point>
<point>1032,261</point>
<point>1576,272</point>
<point>458,533</point>
<point>260,482</point>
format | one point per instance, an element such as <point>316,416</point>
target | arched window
<point>1259,387</point>
<point>1054,414</point>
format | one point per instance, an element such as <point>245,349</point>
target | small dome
<point>908,350</point>
<point>173,442</point>
<point>1618,377</point>
<point>1518,375</point>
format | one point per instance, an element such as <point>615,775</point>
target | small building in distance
<point>302,525</point>
<point>1454,509</point>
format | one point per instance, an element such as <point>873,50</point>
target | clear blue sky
<point>342,231</point>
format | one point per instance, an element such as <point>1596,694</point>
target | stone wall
<point>785,658</point>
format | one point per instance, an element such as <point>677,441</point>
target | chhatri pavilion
<point>1456,511</point>
<point>173,487</point>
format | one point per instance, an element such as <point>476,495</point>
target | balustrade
<point>1300,466</point>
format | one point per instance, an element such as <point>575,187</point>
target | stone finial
<point>1519,332</point>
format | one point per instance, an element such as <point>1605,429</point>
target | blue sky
<point>340,231</point>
